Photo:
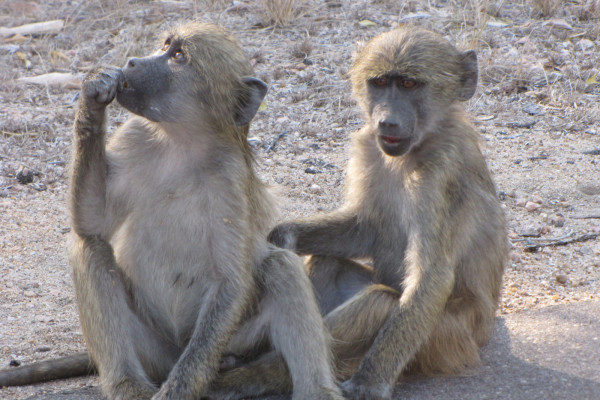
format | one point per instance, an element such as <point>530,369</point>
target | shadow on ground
<point>550,353</point>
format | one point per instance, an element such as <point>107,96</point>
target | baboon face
<point>405,80</point>
<point>198,73</point>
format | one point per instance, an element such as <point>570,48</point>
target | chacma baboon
<point>421,205</point>
<point>171,264</point>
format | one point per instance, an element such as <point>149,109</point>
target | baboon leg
<point>336,279</point>
<point>355,324</point>
<point>296,328</point>
<point>455,341</point>
<point>301,357</point>
<point>129,367</point>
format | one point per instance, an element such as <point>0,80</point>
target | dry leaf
<point>591,80</point>
<point>23,57</point>
<point>65,80</point>
<point>263,106</point>
<point>18,38</point>
<point>365,23</point>
<point>559,23</point>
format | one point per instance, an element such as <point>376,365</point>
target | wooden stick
<point>38,28</point>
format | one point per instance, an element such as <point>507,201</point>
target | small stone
<point>586,44</point>
<point>531,206</point>
<point>24,176</point>
<point>311,170</point>
<point>531,230</point>
<point>545,229</point>
<point>43,349</point>
<point>521,202</point>
<point>537,199</point>
<point>558,221</point>
<point>591,189</point>
<point>40,187</point>
<point>315,188</point>
<point>515,257</point>
<point>586,250</point>
<point>544,217</point>
<point>562,279</point>
<point>14,363</point>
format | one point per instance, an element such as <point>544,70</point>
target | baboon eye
<point>381,81</point>
<point>166,45</point>
<point>177,55</point>
<point>408,83</point>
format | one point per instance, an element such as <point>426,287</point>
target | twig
<point>585,237</point>
<point>529,238</point>
<point>274,142</point>
<point>585,216</point>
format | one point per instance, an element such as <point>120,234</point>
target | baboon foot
<point>355,391</point>
<point>128,390</point>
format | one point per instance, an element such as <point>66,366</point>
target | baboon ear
<point>468,79</point>
<point>248,106</point>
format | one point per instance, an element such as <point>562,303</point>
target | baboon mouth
<point>392,139</point>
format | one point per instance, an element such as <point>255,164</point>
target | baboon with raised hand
<point>171,265</point>
<point>421,205</point>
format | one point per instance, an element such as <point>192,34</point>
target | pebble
<point>586,44</point>
<point>14,363</point>
<point>531,206</point>
<point>537,199</point>
<point>545,229</point>
<point>315,188</point>
<point>591,189</point>
<point>562,279</point>
<point>532,230</point>
<point>43,349</point>
<point>24,176</point>
<point>521,202</point>
<point>515,257</point>
<point>586,250</point>
<point>558,221</point>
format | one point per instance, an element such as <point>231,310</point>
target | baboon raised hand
<point>171,264</point>
<point>421,205</point>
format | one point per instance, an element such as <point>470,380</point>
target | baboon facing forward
<point>171,264</point>
<point>420,203</point>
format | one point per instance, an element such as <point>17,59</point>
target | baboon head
<point>199,73</point>
<point>405,81</point>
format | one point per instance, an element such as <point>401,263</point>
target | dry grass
<point>546,8</point>
<point>279,13</point>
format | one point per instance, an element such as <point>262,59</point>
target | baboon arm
<point>340,233</point>
<point>88,180</point>
<point>199,363</point>
<point>427,284</point>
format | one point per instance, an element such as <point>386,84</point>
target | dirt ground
<point>537,108</point>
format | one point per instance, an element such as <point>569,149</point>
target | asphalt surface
<point>551,353</point>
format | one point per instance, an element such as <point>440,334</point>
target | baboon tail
<point>49,370</point>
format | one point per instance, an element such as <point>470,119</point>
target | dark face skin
<point>148,88</point>
<point>395,107</point>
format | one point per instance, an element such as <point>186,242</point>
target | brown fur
<point>170,261</point>
<point>420,203</point>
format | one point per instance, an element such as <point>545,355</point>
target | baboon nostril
<point>131,64</point>
<point>387,124</point>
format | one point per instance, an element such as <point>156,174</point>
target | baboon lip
<point>391,139</point>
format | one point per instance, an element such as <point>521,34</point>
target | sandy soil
<point>537,109</point>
